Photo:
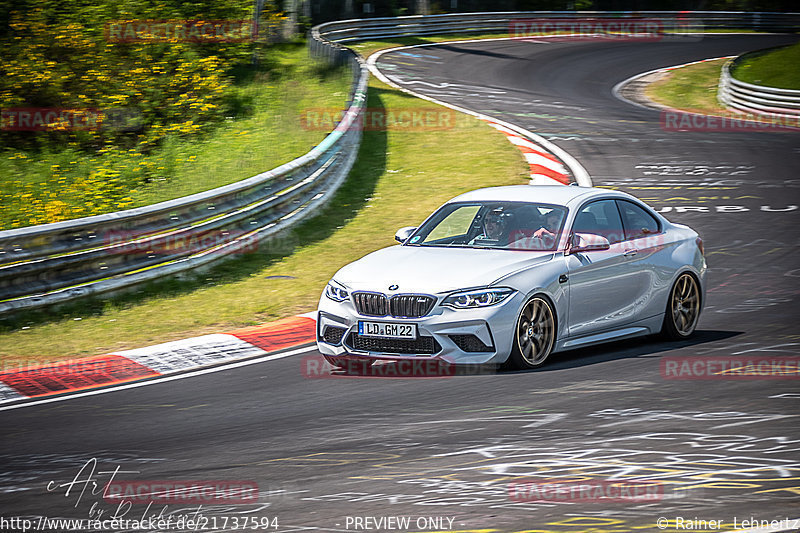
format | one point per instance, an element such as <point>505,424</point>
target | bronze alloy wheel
<point>534,335</point>
<point>683,308</point>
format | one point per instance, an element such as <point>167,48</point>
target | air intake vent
<point>470,343</point>
<point>333,335</point>
<point>420,346</point>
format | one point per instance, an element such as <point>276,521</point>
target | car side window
<point>637,222</point>
<point>600,218</point>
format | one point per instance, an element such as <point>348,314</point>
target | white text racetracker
<point>387,330</point>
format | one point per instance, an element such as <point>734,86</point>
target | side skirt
<point>647,326</point>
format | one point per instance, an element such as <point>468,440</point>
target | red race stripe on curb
<point>76,374</point>
<point>539,169</point>
<point>528,150</point>
<point>526,146</point>
<point>281,334</point>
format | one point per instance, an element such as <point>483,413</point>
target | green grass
<point>694,87</point>
<point>773,68</point>
<point>37,188</point>
<point>399,178</point>
<point>691,88</point>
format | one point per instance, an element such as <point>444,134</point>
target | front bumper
<point>464,336</point>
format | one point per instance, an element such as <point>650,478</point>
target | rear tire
<point>534,335</point>
<point>683,308</point>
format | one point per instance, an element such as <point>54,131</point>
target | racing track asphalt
<point>325,449</point>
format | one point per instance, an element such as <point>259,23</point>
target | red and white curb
<point>546,169</point>
<point>159,360</point>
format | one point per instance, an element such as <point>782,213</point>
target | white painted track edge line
<point>162,379</point>
<point>580,173</point>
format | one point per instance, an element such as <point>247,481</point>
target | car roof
<point>546,194</point>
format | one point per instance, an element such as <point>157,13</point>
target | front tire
<point>534,335</point>
<point>683,308</point>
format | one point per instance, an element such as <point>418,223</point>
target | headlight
<point>335,292</point>
<point>477,298</point>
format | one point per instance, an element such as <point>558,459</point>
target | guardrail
<point>501,22</point>
<point>757,99</point>
<point>54,263</point>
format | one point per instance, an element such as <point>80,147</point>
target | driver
<point>494,226</point>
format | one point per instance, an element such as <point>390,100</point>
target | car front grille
<point>411,305</point>
<point>371,304</point>
<point>400,306</point>
<point>420,346</point>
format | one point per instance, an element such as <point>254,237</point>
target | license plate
<point>387,330</point>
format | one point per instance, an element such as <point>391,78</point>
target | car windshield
<point>496,225</point>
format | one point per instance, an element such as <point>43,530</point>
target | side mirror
<point>404,233</point>
<point>588,242</point>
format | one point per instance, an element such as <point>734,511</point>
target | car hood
<point>434,270</point>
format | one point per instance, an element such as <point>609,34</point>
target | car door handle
<point>563,278</point>
<point>630,253</point>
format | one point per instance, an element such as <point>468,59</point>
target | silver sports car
<point>513,274</point>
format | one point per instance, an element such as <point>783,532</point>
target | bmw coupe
<point>510,275</point>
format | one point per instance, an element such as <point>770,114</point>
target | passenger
<point>547,233</point>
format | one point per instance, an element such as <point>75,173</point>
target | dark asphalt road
<point>323,450</point>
